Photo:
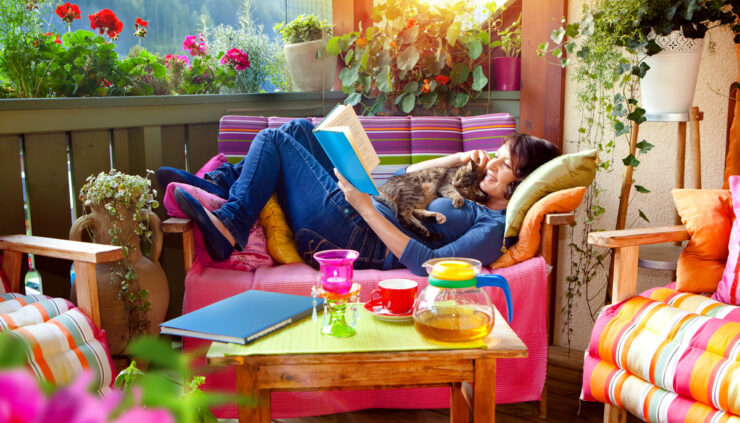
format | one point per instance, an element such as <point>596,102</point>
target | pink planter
<point>508,73</point>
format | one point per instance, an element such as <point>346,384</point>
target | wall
<point>656,171</point>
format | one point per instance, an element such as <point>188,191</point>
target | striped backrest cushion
<point>61,341</point>
<point>398,140</point>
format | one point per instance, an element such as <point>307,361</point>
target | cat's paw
<point>457,202</point>
<point>441,218</point>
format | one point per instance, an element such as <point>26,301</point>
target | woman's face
<point>499,173</point>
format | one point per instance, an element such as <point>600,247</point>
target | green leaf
<point>332,46</point>
<point>643,216</point>
<point>597,210</point>
<point>412,87</point>
<point>364,59</point>
<point>570,47</point>
<point>429,99</point>
<point>640,70</point>
<point>641,189</point>
<point>11,351</point>
<point>452,33</point>
<point>408,103</point>
<point>479,80</point>
<point>158,351</point>
<point>459,73</point>
<point>475,49</point>
<point>542,48</point>
<point>353,99</point>
<point>557,35</point>
<point>631,161</point>
<point>460,100</point>
<point>644,146</point>
<point>557,52</point>
<point>382,80</point>
<point>348,76</point>
<point>408,58</point>
<point>409,35</point>
<point>637,115</point>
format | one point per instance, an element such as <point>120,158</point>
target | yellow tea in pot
<point>454,323</point>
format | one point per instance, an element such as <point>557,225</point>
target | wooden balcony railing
<point>58,143</point>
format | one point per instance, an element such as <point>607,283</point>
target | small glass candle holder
<point>336,288</point>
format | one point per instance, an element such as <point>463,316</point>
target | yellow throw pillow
<point>280,242</point>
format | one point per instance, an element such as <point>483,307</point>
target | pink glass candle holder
<point>336,270</point>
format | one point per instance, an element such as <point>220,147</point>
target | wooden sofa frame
<point>626,244</point>
<point>548,250</point>
<point>84,255</point>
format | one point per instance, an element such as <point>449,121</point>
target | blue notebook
<point>344,139</point>
<point>242,318</point>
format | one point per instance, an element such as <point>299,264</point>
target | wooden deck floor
<point>564,385</point>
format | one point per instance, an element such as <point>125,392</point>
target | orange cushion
<point>562,201</point>
<point>280,243</point>
<point>707,215</point>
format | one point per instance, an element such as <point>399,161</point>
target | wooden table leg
<point>484,391</point>
<point>459,407</point>
<point>257,410</point>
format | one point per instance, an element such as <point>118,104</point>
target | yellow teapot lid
<point>453,270</point>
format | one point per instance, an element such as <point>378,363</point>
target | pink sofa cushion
<point>214,163</point>
<point>728,290</point>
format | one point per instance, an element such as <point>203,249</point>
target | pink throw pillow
<point>728,290</point>
<point>254,254</point>
<point>214,163</point>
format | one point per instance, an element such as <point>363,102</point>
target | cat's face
<point>466,180</point>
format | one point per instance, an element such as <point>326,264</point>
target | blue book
<point>242,318</point>
<point>344,139</point>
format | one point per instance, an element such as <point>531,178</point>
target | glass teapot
<point>452,308</point>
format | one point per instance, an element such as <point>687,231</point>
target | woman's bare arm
<point>391,236</point>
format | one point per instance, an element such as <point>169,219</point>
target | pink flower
<point>141,415</point>
<point>21,399</point>
<point>196,46</point>
<point>74,404</point>
<point>171,59</point>
<point>236,58</point>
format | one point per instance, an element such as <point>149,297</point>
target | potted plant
<point>305,37</point>
<point>509,67</point>
<point>415,54</point>
<point>133,292</point>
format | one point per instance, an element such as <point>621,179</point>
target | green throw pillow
<point>563,172</point>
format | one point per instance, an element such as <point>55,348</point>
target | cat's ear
<point>472,165</point>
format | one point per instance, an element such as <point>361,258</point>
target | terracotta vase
<point>150,276</point>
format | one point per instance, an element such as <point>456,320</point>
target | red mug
<point>396,295</point>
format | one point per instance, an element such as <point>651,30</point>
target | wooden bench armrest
<point>638,236</point>
<point>83,254</point>
<point>176,225</point>
<point>560,218</point>
<point>626,244</point>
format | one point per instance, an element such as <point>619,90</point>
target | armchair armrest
<point>626,244</point>
<point>84,255</point>
<point>175,225</point>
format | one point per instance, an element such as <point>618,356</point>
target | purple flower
<point>142,415</point>
<point>74,404</point>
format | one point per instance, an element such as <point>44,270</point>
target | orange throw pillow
<point>707,215</point>
<point>280,243</point>
<point>562,201</point>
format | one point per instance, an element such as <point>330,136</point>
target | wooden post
<point>484,391</point>
<point>86,286</point>
<point>694,117</point>
<point>12,261</point>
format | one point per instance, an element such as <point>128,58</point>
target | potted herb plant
<point>133,292</point>
<point>509,67</point>
<point>305,37</point>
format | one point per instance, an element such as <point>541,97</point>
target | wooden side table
<point>258,375</point>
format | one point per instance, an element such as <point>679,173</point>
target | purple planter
<point>508,72</point>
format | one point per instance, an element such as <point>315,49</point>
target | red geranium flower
<point>57,40</point>
<point>106,23</point>
<point>141,25</point>
<point>411,23</point>
<point>236,58</point>
<point>68,12</point>
<point>361,42</point>
<point>442,79</point>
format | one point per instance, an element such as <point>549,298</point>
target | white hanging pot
<point>307,72</point>
<point>669,84</point>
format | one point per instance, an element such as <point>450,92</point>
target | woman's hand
<point>359,200</point>
<point>479,157</point>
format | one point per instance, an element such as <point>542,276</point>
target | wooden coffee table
<point>258,375</point>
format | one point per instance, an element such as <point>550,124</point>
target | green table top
<point>373,335</point>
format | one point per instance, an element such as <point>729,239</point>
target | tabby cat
<point>409,195</point>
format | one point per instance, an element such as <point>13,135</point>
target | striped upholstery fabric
<point>61,341</point>
<point>667,356</point>
<point>399,141</point>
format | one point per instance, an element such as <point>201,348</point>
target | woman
<point>325,211</point>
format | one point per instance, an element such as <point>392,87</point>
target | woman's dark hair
<point>527,154</point>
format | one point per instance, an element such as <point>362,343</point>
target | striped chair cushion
<point>687,346</point>
<point>399,141</point>
<point>61,341</point>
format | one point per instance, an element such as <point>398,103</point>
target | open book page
<point>345,116</point>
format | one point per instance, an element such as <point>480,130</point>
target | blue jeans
<point>291,162</point>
